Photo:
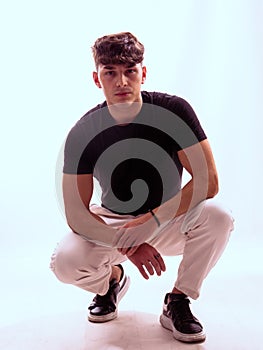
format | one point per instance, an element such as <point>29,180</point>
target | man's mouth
<point>122,93</point>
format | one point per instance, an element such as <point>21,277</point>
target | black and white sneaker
<point>104,308</point>
<point>178,318</point>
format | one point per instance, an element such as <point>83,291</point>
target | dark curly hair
<point>120,48</point>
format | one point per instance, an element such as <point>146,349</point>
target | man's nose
<point>121,80</point>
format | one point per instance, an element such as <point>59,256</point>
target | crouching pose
<point>136,144</point>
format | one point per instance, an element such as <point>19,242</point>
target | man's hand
<point>135,232</point>
<point>128,251</point>
<point>147,258</point>
<point>132,224</point>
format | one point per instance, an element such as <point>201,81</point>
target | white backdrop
<point>209,52</point>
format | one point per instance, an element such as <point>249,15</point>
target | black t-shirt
<point>136,164</point>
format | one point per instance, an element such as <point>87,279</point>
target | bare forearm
<point>91,226</point>
<point>77,193</point>
<point>191,194</point>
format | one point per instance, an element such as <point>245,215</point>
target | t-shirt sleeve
<point>190,118</point>
<point>75,153</point>
<point>187,129</point>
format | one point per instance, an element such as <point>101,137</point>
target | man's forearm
<point>191,194</point>
<point>91,226</point>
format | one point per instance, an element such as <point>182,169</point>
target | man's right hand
<point>135,232</point>
<point>147,258</point>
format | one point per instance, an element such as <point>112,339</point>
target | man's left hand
<point>147,259</point>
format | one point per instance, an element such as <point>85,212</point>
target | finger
<point>126,225</point>
<point>157,266</point>
<point>127,241</point>
<point>132,223</point>
<point>124,243</point>
<point>162,263</point>
<point>149,267</point>
<point>158,258</point>
<point>129,224</point>
<point>142,271</point>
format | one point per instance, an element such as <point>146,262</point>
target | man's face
<point>120,83</point>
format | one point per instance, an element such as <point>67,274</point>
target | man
<point>137,144</point>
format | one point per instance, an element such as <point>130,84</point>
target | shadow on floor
<point>130,331</point>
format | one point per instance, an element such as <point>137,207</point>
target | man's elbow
<point>72,220</point>
<point>213,185</point>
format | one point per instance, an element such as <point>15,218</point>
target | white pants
<point>200,236</point>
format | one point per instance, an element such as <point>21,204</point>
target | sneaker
<point>105,307</point>
<point>178,318</point>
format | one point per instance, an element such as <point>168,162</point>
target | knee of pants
<point>219,218</point>
<point>209,216</point>
<point>63,265</point>
<point>71,262</point>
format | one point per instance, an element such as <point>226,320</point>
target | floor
<point>38,312</point>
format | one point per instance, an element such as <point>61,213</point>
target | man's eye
<point>130,71</point>
<point>109,72</point>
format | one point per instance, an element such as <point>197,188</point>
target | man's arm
<point>77,193</point>
<point>199,162</point>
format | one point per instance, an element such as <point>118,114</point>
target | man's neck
<point>125,113</point>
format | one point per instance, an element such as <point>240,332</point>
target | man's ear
<point>96,79</point>
<point>144,73</point>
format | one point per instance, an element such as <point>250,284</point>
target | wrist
<point>155,217</point>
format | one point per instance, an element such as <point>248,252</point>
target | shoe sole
<point>167,323</point>
<point>105,318</point>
